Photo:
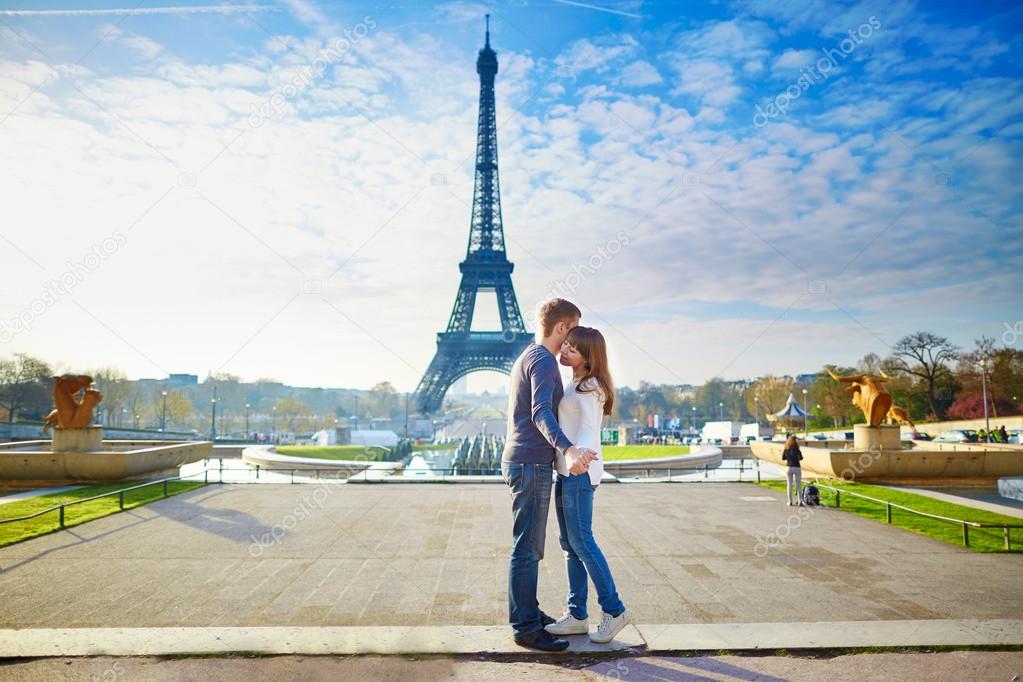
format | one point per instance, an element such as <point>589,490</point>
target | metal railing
<point>363,475</point>
<point>205,473</point>
<point>120,494</point>
<point>621,468</point>
<point>966,525</point>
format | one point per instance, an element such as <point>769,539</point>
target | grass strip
<point>981,539</point>
<point>79,513</point>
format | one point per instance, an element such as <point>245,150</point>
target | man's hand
<point>578,459</point>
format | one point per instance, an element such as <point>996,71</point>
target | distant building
<point>685,391</point>
<point>182,380</point>
<point>805,379</point>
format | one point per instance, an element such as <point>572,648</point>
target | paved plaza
<point>373,555</point>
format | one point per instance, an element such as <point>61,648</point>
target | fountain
<point>877,452</point>
<point>77,452</point>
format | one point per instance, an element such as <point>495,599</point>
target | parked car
<point>819,436</point>
<point>957,436</point>
<point>920,435</point>
<point>1016,436</point>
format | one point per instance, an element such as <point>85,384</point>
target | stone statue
<point>867,394</point>
<point>72,412</point>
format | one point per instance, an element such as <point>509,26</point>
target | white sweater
<point>580,416</point>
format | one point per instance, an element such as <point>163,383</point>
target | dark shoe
<point>542,641</point>
<point>546,620</point>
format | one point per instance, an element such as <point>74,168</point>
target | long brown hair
<point>791,442</point>
<point>590,344</point>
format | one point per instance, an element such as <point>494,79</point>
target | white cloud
<point>585,55</point>
<point>638,74</point>
<point>793,60</point>
<point>346,176</point>
<point>140,11</point>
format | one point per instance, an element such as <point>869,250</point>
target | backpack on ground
<point>811,496</point>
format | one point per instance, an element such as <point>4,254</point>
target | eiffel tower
<point>486,268</point>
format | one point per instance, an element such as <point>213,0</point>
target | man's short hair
<point>554,311</point>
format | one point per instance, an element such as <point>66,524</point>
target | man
<point>527,466</point>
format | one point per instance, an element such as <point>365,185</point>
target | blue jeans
<point>573,499</point>
<point>530,486</point>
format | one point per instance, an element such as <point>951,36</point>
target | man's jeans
<point>573,499</point>
<point>530,486</point>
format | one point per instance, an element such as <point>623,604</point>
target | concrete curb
<point>494,639</point>
<point>373,640</point>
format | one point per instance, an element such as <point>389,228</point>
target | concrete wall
<point>927,463</point>
<point>935,428</point>
<point>32,431</point>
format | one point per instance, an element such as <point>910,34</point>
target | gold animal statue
<point>72,412</point>
<point>899,415</point>
<point>867,394</point>
<point>876,403</point>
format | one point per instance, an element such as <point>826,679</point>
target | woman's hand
<point>578,459</point>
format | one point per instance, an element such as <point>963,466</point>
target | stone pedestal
<point>78,440</point>
<point>1011,486</point>
<point>883,437</point>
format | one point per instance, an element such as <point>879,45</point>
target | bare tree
<point>24,381</point>
<point>926,356</point>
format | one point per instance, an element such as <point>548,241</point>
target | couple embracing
<point>554,428</point>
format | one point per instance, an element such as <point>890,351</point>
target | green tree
<point>292,411</point>
<point>179,409</point>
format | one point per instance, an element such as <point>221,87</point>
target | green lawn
<point>428,447</point>
<point>359,453</point>
<point>622,453</point>
<point>79,513</point>
<point>981,539</point>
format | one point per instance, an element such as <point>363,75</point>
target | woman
<point>588,397</point>
<point>794,474</point>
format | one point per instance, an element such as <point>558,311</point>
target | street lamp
<point>355,413</point>
<point>213,419</point>
<point>273,413</point>
<point>756,412</point>
<point>136,422</point>
<point>124,412</point>
<point>247,406</point>
<point>163,418</point>
<point>694,418</point>
<point>721,412</point>
<point>806,422</point>
<point>406,414</point>
<point>983,384</point>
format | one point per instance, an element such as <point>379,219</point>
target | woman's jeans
<point>530,488</point>
<point>573,500</point>
<point>793,481</point>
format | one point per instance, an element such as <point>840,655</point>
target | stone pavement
<point>371,555</point>
<point>952,665</point>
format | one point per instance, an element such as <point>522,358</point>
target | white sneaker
<point>610,626</point>
<point>568,625</point>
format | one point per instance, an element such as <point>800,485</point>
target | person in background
<point>1003,435</point>
<point>794,473</point>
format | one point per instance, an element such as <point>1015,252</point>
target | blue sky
<point>282,188</point>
